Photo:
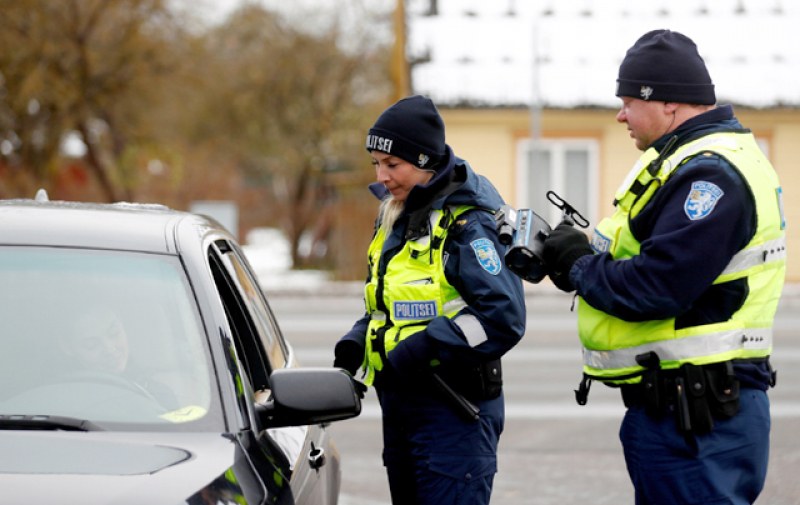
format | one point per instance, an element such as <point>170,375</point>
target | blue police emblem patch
<point>702,199</point>
<point>487,255</point>
<point>600,243</point>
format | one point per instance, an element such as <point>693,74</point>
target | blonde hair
<point>389,212</point>
<point>391,208</point>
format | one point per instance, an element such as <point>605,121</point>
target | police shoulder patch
<point>701,200</point>
<point>487,255</point>
<point>600,243</point>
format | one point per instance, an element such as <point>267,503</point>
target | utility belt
<point>478,383</point>
<point>696,394</point>
<point>461,388</point>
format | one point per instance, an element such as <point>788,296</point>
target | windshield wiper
<point>42,422</point>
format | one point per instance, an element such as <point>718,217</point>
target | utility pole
<point>399,64</point>
<point>536,100</point>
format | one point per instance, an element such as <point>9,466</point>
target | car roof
<point>125,226</point>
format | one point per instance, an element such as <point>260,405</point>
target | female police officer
<point>441,310</point>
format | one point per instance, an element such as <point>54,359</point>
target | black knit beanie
<point>412,130</point>
<point>665,66</point>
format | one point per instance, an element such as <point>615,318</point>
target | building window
<point>567,167</point>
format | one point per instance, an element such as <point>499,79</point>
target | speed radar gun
<point>524,231</point>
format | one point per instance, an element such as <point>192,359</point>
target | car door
<point>261,348</point>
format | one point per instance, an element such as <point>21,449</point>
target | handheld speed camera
<point>524,231</point>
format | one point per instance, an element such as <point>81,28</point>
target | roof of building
<point>566,53</point>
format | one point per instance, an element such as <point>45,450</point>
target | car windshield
<point>102,336</point>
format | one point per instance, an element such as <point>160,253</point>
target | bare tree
<point>259,108</point>
<point>87,66</point>
<point>297,106</point>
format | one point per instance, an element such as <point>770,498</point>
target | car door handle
<point>316,457</point>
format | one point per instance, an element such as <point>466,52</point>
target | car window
<point>106,336</point>
<point>253,300</point>
<point>245,335</point>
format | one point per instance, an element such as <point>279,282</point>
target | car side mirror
<point>309,396</point>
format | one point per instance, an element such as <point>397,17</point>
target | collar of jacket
<point>721,117</point>
<point>418,214</point>
<point>712,121</point>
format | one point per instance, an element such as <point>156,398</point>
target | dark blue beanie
<point>665,66</point>
<point>412,130</point>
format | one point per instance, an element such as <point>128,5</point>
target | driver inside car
<point>98,343</point>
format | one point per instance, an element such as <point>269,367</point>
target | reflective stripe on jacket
<point>612,344</point>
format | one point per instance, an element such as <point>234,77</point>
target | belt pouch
<point>697,395</point>
<point>491,374</point>
<point>650,387</point>
<point>652,383</point>
<point>723,387</point>
<point>477,383</point>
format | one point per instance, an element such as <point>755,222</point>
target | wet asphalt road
<point>552,451</point>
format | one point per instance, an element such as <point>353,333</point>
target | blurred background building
<point>264,104</point>
<point>527,87</point>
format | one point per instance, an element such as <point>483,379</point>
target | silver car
<point>140,363</point>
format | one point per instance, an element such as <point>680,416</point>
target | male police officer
<point>677,305</point>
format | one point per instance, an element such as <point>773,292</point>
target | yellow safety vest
<point>411,292</point>
<point>612,344</point>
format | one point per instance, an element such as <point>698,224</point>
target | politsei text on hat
<point>376,143</point>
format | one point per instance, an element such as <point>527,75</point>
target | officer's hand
<point>358,386</point>
<point>562,282</point>
<point>412,354</point>
<point>562,248</point>
<point>348,355</point>
<point>361,388</point>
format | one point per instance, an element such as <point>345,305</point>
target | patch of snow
<point>567,53</point>
<point>269,253</point>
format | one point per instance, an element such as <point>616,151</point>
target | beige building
<point>496,98</point>
<point>496,142</point>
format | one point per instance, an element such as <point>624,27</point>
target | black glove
<point>562,282</point>
<point>360,387</point>
<point>562,248</point>
<point>348,355</point>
